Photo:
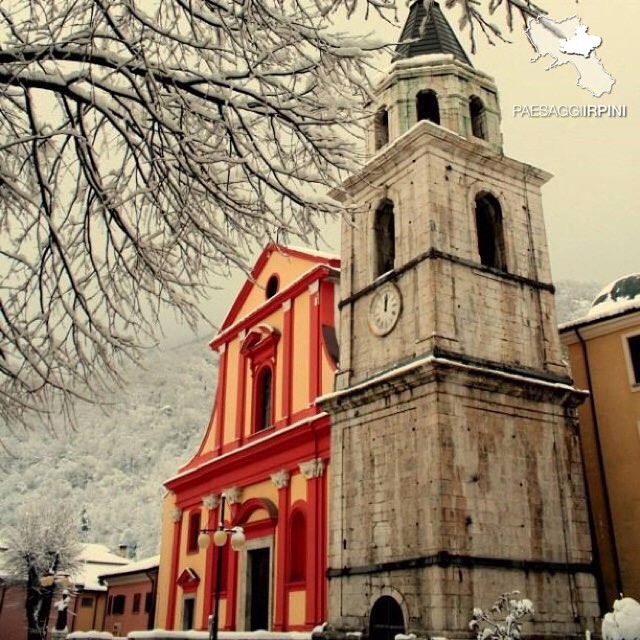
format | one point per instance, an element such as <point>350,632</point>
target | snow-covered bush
<point>503,620</point>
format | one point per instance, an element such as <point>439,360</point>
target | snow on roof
<point>96,559</point>
<point>146,564</point>
<point>93,560</point>
<point>99,553</point>
<point>621,295</point>
<point>326,255</point>
<point>617,296</point>
<point>88,575</point>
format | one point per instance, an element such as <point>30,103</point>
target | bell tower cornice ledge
<point>436,65</point>
<point>433,139</point>
<point>429,368</point>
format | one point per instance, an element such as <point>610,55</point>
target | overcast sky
<point>591,212</point>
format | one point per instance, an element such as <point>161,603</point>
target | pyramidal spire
<point>435,35</point>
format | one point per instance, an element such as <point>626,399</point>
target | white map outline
<point>554,27</point>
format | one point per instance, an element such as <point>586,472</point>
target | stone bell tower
<point>456,474</point>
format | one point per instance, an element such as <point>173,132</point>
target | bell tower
<point>456,473</point>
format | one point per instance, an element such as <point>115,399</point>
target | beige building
<point>604,352</point>
<point>456,472</point>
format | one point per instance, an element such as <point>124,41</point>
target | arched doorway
<point>386,619</point>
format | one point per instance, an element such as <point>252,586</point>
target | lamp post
<point>220,534</point>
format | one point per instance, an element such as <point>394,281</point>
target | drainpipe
<point>603,476</point>
<point>153,579</point>
<point>106,602</point>
<point>96,600</point>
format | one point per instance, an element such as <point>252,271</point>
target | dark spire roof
<point>436,36</point>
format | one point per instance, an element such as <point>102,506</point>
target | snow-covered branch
<point>146,145</point>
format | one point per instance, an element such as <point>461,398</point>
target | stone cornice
<point>429,368</point>
<point>430,137</point>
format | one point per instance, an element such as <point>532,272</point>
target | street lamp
<point>220,535</point>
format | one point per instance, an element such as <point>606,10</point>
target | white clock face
<point>385,309</point>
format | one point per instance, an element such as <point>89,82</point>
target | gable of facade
<point>265,449</point>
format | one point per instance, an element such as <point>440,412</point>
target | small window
<point>147,601</point>
<point>119,603</point>
<point>194,532</point>
<point>298,553</point>
<point>427,107</point>
<point>633,344</point>
<point>86,602</point>
<point>381,128</point>
<point>385,239</point>
<point>490,232</point>
<point>273,285</point>
<point>264,399</point>
<point>136,603</point>
<point>478,118</point>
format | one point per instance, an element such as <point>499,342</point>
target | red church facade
<point>266,451</point>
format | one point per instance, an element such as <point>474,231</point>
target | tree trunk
<point>38,606</point>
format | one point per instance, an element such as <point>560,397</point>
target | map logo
<point>568,42</point>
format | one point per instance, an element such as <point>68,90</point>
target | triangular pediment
<point>188,579</point>
<point>286,265</point>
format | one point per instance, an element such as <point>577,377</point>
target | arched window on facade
<point>194,532</point>
<point>273,284</point>
<point>385,238</point>
<point>298,546</point>
<point>381,128</point>
<point>263,399</point>
<point>427,106</point>
<point>490,232</point>
<point>478,118</point>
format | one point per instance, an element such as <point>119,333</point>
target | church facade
<point>456,471</point>
<point>266,452</point>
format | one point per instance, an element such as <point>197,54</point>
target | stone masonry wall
<point>470,464</point>
<point>449,299</point>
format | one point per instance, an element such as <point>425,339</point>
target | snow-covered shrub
<point>503,620</point>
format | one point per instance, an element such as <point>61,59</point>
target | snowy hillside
<point>574,298</point>
<point>115,463</point>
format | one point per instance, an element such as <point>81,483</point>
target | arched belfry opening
<point>427,107</point>
<point>477,113</point>
<point>384,238</point>
<point>490,232</point>
<point>386,619</point>
<point>381,128</point>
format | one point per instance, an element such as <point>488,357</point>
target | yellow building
<point>265,451</point>
<point>604,351</point>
